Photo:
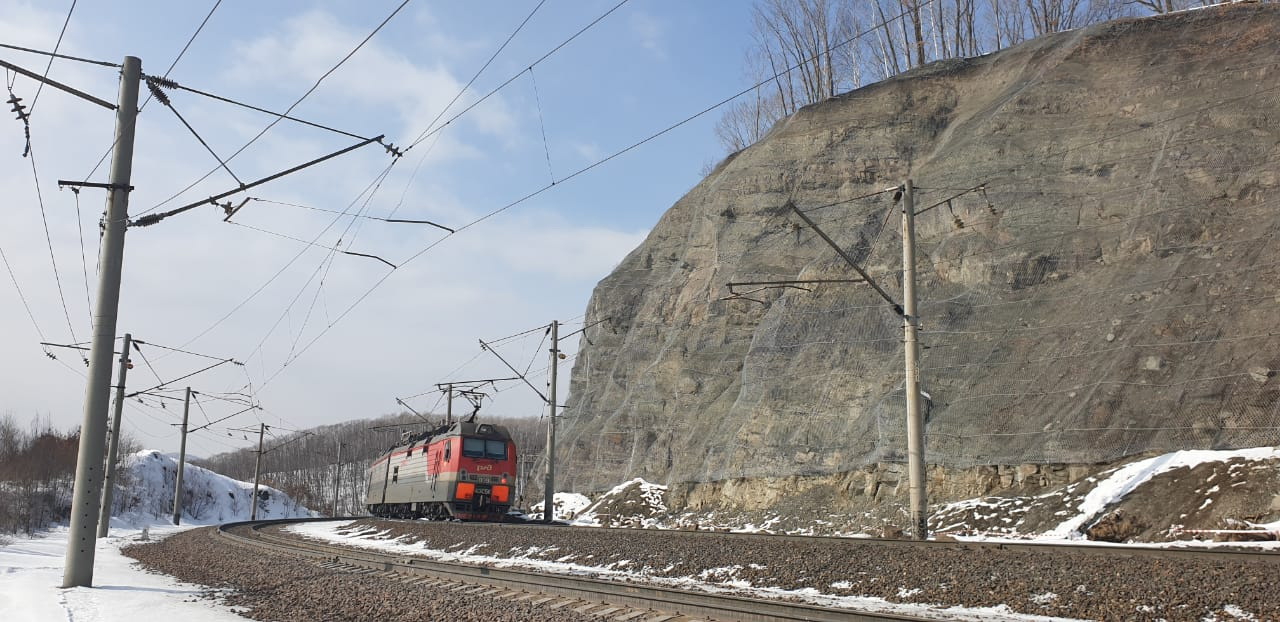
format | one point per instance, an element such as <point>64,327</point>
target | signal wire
<point>429,131</point>
<point>90,61</point>
<point>286,266</point>
<point>57,278</point>
<point>23,297</point>
<point>486,66</point>
<point>166,75</point>
<point>49,65</point>
<point>288,110</point>
<point>154,85</point>
<point>84,263</point>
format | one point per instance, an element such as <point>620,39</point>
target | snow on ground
<point>210,498</point>
<point>635,503</point>
<point>566,504</point>
<point>31,568</point>
<point>31,573</point>
<point>721,580</point>
<point>1131,476</point>
<point>1078,505</point>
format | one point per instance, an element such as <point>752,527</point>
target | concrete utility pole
<point>82,537</point>
<point>549,496</point>
<point>113,447</point>
<point>182,460</point>
<point>915,419</point>
<point>257,470</point>
<point>337,479</point>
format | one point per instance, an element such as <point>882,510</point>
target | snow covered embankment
<point>1229,493</point>
<point>145,495</point>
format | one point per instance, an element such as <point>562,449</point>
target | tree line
<point>37,473</point>
<point>839,45</point>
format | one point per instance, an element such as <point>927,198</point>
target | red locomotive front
<point>465,470</point>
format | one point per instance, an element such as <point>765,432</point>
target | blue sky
<point>645,66</point>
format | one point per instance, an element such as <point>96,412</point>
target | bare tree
<point>800,56</point>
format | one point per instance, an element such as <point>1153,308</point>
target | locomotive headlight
<point>466,490</point>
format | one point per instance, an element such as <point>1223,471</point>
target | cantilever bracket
<point>92,184</point>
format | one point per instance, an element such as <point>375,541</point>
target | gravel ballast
<point>270,586</point>
<point>1054,583</point>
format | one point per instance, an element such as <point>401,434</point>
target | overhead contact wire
<point>295,104</point>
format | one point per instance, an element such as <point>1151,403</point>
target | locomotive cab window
<point>473,447</point>
<point>496,450</point>
<point>395,474</point>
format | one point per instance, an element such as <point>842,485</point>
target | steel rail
<point>1218,553</point>
<point>685,603</point>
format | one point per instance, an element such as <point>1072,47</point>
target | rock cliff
<point>1111,289</point>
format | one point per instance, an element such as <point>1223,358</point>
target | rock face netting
<point>1096,261</point>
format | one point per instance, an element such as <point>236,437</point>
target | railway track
<point>633,573</point>
<point>1219,553</point>
<point>609,600</point>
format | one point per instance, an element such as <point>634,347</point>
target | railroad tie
<point>587,607</point>
<point>564,603</point>
<point>606,612</point>
<point>542,600</point>
<point>630,615</point>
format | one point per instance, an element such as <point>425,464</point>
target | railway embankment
<point>279,586</point>
<point>1004,581</point>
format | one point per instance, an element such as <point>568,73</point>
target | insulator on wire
<point>160,95</point>
<point>163,81</point>
<point>18,108</point>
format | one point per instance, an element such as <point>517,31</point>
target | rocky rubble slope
<point>1101,283</point>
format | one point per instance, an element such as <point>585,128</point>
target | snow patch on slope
<point>209,498</point>
<point>1129,477</point>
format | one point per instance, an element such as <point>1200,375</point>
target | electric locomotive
<point>463,470</point>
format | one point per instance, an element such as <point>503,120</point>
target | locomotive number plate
<point>483,490</point>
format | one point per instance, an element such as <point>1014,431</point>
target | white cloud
<point>649,31</point>
<point>544,244</point>
<point>311,43</point>
<point>588,151</point>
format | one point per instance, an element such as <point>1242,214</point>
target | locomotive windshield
<point>482,448</point>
